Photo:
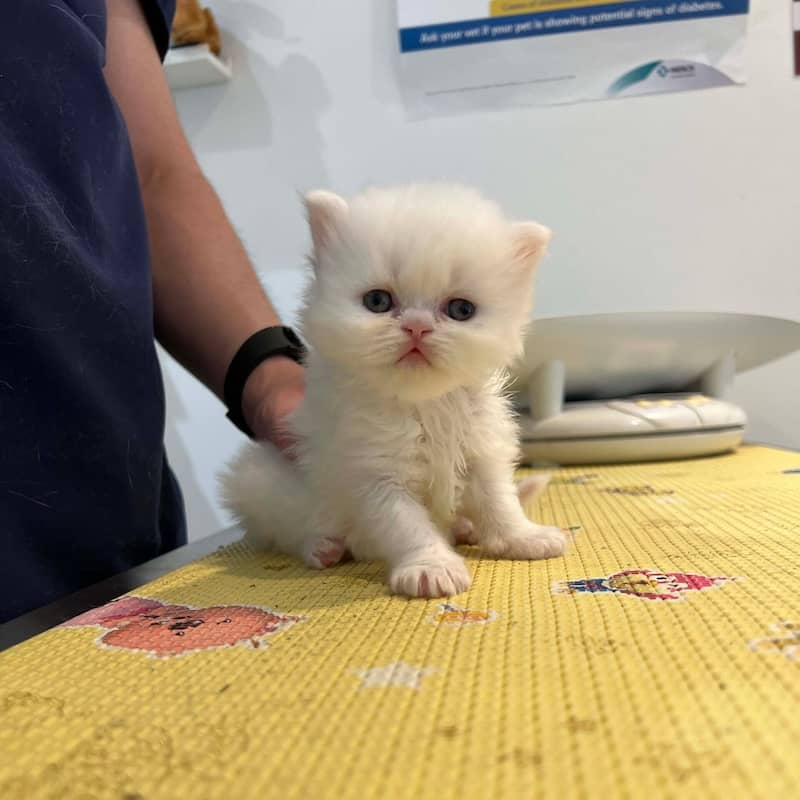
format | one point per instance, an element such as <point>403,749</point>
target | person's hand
<point>273,391</point>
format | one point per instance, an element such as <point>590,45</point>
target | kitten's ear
<point>325,211</point>
<point>530,242</point>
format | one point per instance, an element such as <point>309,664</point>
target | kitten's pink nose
<point>416,328</point>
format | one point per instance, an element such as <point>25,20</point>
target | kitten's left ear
<point>530,242</point>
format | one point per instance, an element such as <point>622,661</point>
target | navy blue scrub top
<point>85,489</point>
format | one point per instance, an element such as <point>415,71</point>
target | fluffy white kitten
<point>418,302</point>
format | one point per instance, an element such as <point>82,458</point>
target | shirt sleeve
<point>159,15</point>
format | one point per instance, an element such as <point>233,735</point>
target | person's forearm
<point>207,298</point>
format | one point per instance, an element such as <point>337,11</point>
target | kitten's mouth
<point>414,356</point>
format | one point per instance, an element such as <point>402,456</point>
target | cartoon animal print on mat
<point>459,617</point>
<point>398,673</point>
<point>646,584</point>
<point>111,758</point>
<point>162,630</point>
<point>786,642</point>
<point>575,480</point>
<point>637,491</point>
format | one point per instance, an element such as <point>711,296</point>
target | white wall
<point>683,201</point>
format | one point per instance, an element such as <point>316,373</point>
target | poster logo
<point>676,71</point>
<point>658,76</point>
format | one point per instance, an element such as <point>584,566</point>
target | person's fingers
<point>271,422</point>
<point>284,441</point>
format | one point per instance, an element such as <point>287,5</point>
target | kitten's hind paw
<point>444,576</point>
<point>463,531</point>
<point>529,543</point>
<point>324,552</point>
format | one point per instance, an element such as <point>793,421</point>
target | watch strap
<point>267,343</point>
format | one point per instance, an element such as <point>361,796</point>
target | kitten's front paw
<point>324,552</point>
<point>435,576</point>
<point>528,543</point>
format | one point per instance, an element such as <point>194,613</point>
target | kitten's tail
<point>531,489</point>
<point>269,497</point>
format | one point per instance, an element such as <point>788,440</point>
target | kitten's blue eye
<point>378,301</point>
<point>460,310</point>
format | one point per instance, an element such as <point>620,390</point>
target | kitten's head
<point>419,290</point>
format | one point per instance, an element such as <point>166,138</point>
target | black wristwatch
<point>264,344</point>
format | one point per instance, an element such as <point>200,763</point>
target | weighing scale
<point>629,387</point>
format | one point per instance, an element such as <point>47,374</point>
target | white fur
<point>396,458</point>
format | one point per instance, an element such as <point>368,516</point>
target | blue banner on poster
<point>565,20</point>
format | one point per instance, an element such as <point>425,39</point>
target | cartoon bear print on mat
<point>785,641</point>
<point>161,630</point>
<point>646,584</point>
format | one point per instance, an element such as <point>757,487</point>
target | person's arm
<point>208,300</point>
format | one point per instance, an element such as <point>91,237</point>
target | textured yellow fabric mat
<point>659,659</point>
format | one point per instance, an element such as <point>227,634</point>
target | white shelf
<point>195,65</point>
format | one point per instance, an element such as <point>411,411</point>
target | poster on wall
<point>796,26</point>
<point>459,55</point>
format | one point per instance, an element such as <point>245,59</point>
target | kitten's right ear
<point>326,211</point>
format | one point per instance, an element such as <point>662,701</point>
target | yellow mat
<point>659,659</point>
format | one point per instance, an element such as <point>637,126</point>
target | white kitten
<point>419,300</point>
